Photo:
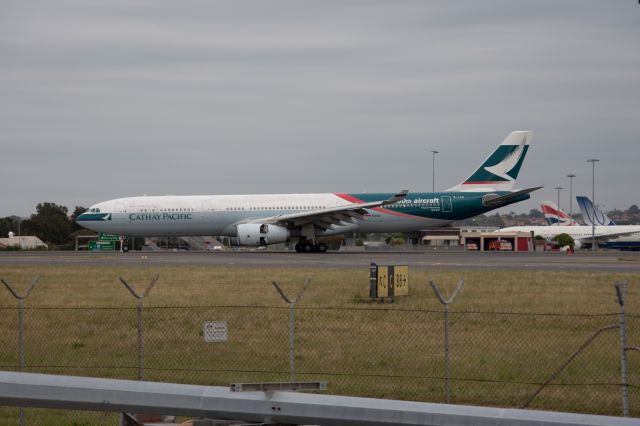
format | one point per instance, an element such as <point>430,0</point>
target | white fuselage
<point>577,232</point>
<point>219,214</point>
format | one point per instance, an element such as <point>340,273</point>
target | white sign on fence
<point>214,331</point>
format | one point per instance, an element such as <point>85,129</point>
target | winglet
<point>398,197</point>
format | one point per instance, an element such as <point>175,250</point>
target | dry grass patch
<point>509,331</point>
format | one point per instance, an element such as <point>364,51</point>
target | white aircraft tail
<point>555,216</point>
<point>591,214</point>
<point>500,170</point>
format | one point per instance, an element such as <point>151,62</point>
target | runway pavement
<point>612,261</point>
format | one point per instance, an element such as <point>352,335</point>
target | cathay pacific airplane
<point>260,220</point>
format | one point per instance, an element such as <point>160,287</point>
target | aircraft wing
<point>325,218</point>
<point>607,237</point>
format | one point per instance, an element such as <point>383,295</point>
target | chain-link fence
<point>542,361</point>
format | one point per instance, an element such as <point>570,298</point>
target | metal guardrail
<point>86,393</point>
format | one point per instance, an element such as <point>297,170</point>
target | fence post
<point>292,324</point>
<point>621,292</point>
<point>139,298</point>
<point>21,299</point>
<point>446,303</point>
<point>565,364</point>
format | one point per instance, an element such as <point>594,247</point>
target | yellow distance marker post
<point>388,281</point>
<point>401,280</point>
<point>383,281</point>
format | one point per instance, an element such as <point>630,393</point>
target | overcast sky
<point>107,99</point>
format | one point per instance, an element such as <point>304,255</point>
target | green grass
<point>487,290</point>
<point>509,331</point>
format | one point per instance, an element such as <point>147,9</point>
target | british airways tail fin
<point>500,170</point>
<point>555,216</point>
<point>591,214</point>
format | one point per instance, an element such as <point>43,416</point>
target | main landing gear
<point>310,247</point>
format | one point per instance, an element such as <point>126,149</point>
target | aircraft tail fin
<point>555,216</point>
<point>500,170</point>
<point>591,214</point>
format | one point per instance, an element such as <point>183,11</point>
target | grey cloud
<point>106,99</point>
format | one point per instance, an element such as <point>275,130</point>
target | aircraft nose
<point>83,217</point>
<point>93,217</point>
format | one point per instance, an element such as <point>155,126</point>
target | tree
<point>634,209</point>
<point>395,239</point>
<point>564,240</point>
<point>6,225</point>
<point>77,212</point>
<point>51,224</point>
<point>10,224</point>
<point>535,213</point>
<point>495,220</point>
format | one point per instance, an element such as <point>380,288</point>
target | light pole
<point>558,188</point>
<point>593,198</point>
<point>433,171</point>
<point>19,220</point>
<point>571,176</point>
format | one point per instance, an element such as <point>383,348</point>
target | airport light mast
<point>558,188</point>
<point>571,176</point>
<point>593,197</point>
<point>433,171</point>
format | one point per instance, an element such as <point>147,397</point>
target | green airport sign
<point>102,245</point>
<point>108,237</point>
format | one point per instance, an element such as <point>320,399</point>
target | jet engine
<point>261,234</point>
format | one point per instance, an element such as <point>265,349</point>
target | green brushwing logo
<point>503,165</point>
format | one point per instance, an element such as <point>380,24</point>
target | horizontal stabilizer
<point>502,199</point>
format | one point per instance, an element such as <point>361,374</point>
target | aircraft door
<point>447,206</point>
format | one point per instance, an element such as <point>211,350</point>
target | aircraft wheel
<point>307,247</point>
<point>298,247</point>
<point>125,248</point>
<point>322,248</point>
